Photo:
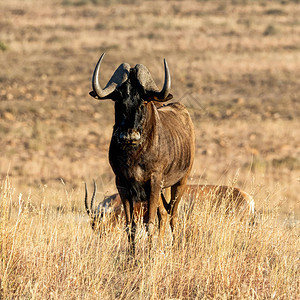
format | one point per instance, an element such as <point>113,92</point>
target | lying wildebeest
<point>110,211</point>
<point>152,146</point>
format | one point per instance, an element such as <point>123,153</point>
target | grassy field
<point>234,64</point>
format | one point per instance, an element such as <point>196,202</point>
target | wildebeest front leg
<point>130,224</point>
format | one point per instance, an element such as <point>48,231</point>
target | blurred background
<point>234,64</point>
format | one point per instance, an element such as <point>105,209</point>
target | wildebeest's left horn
<point>146,81</point>
<point>119,76</point>
<point>90,210</point>
<point>164,94</point>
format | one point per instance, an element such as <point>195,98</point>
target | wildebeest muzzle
<point>130,136</point>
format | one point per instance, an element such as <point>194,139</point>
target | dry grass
<point>235,64</point>
<point>48,252</point>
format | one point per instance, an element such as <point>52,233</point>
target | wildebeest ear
<point>169,97</point>
<point>94,95</point>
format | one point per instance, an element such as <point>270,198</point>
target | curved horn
<point>120,76</point>
<point>90,210</point>
<point>164,94</point>
<point>85,201</point>
<point>94,194</point>
<point>98,92</point>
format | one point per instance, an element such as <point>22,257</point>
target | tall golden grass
<point>51,252</point>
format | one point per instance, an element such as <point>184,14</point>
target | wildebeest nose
<point>131,135</point>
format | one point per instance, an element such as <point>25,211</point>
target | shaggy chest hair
<point>164,149</point>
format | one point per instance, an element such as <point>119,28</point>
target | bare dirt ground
<point>234,64</point>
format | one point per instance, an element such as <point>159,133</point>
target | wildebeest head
<point>108,209</point>
<point>131,89</point>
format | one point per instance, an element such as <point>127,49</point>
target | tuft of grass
<point>3,46</point>
<point>289,162</point>
<point>81,2</point>
<point>270,30</point>
<point>95,2</point>
<point>275,11</point>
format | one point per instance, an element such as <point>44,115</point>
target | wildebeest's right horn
<point>150,88</point>
<point>120,76</point>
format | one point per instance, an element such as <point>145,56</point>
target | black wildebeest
<point>152,145</point>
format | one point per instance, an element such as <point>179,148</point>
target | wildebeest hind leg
<point>162,220</point>
<point>177,191</point>
<point>153,204</point>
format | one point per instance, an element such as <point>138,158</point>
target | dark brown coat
<point>152,146</point>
